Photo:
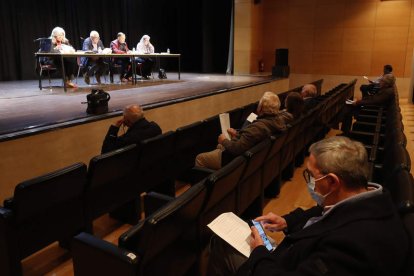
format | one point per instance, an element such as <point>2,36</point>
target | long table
<point>131,55</point>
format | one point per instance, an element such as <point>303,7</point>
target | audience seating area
<point>380,129</point>
<point>172,237</point>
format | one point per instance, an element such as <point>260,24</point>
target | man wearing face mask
<point>139,129</point>
<point>354,229</point>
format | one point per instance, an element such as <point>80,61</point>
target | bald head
<point>132,113</point>
<point>308,91</point>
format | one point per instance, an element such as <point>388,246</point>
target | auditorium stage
<point>26,110</point>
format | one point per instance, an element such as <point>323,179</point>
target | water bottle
<point>168,50</point>
<point>133,49</point>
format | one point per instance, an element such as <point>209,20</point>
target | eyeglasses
<point>307,175</point>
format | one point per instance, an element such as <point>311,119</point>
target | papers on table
<point>233,230</point>
<point>225,124</point>
<point>66,49</point>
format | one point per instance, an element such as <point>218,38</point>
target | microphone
<point>39,39</point>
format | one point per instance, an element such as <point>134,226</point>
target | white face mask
<point>320,199</point>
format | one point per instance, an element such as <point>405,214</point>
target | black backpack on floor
<point>97,102</point>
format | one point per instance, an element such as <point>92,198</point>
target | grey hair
<point>269,103</point>
<point>133,112</point>
<point>309,90</point>
<point>343,157</point>
<point>144,37</point>
<point>94,34</point>
<point>57,31</point>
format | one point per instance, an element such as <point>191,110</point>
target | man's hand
<point>272,222</point>
<point>221,138</point>
<point>119,123</point>
<point>255,240</point>
<point>232,132</point>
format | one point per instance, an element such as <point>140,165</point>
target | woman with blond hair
<point>60,44</point>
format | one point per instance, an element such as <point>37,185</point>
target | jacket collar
<point>375,207</point>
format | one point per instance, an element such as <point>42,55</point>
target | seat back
<point>408,221</point>
<point>166,242</point>
<point>250,186</point>
<point>111,182</point>
<point>211,130</point>
<point>222,194</point>
<point>271,166</point>
<point>93,256</point>
<point>236,117</point>
<point>45,45</point>
<point>187,146</point>
<point>156,161</point>
<point>48,208</point>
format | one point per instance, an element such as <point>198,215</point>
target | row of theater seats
<point>56,206</point>
<point>381,130</point>
<point>176,235</point>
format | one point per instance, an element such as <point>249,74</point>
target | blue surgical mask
<point>320,199</point>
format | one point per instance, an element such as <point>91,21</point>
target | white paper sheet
<point>225,124</point>
<point>233,230</point>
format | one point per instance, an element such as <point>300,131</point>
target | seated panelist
<point>144,46</point>
<point>60,44</point>
<point>94,66</point>
<point>119,46</point>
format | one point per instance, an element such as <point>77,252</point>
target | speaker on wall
<point>282,57</point>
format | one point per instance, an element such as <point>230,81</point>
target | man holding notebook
<point>268,122</point>
<point>353,230</point>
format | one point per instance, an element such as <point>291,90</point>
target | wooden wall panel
<point>362,34</point>
<point>356,63</point>
<point>395,58</point>
<point>360,14</point>
<point>328,39</point>
<point>301,61</point>
<point>331,16</point>
<point>327,62</point>
<point>393,13</point>
<point>301,39</point>
<point>390,39</point>
<point>358,39</point>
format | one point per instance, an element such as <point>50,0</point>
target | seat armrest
<point>5,213</point>
<point>93,256</point>
<point>8,203</point>
<point>196,174</point>
<point>154,201</point>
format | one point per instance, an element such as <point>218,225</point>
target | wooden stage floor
<point>25,110</point>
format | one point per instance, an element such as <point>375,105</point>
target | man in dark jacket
<point>139,129</point>
<point>268,122</point>
<point>354,229</point>
<point>384,97</point>
<point>94,66</point>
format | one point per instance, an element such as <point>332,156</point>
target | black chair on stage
<point>43,64</point>
<point>112,186</point>
<point>43,210</point>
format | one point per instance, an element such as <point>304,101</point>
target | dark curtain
<point>197,29</point>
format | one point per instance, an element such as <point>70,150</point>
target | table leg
<point>40,72</point>
<point>63,73</point>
